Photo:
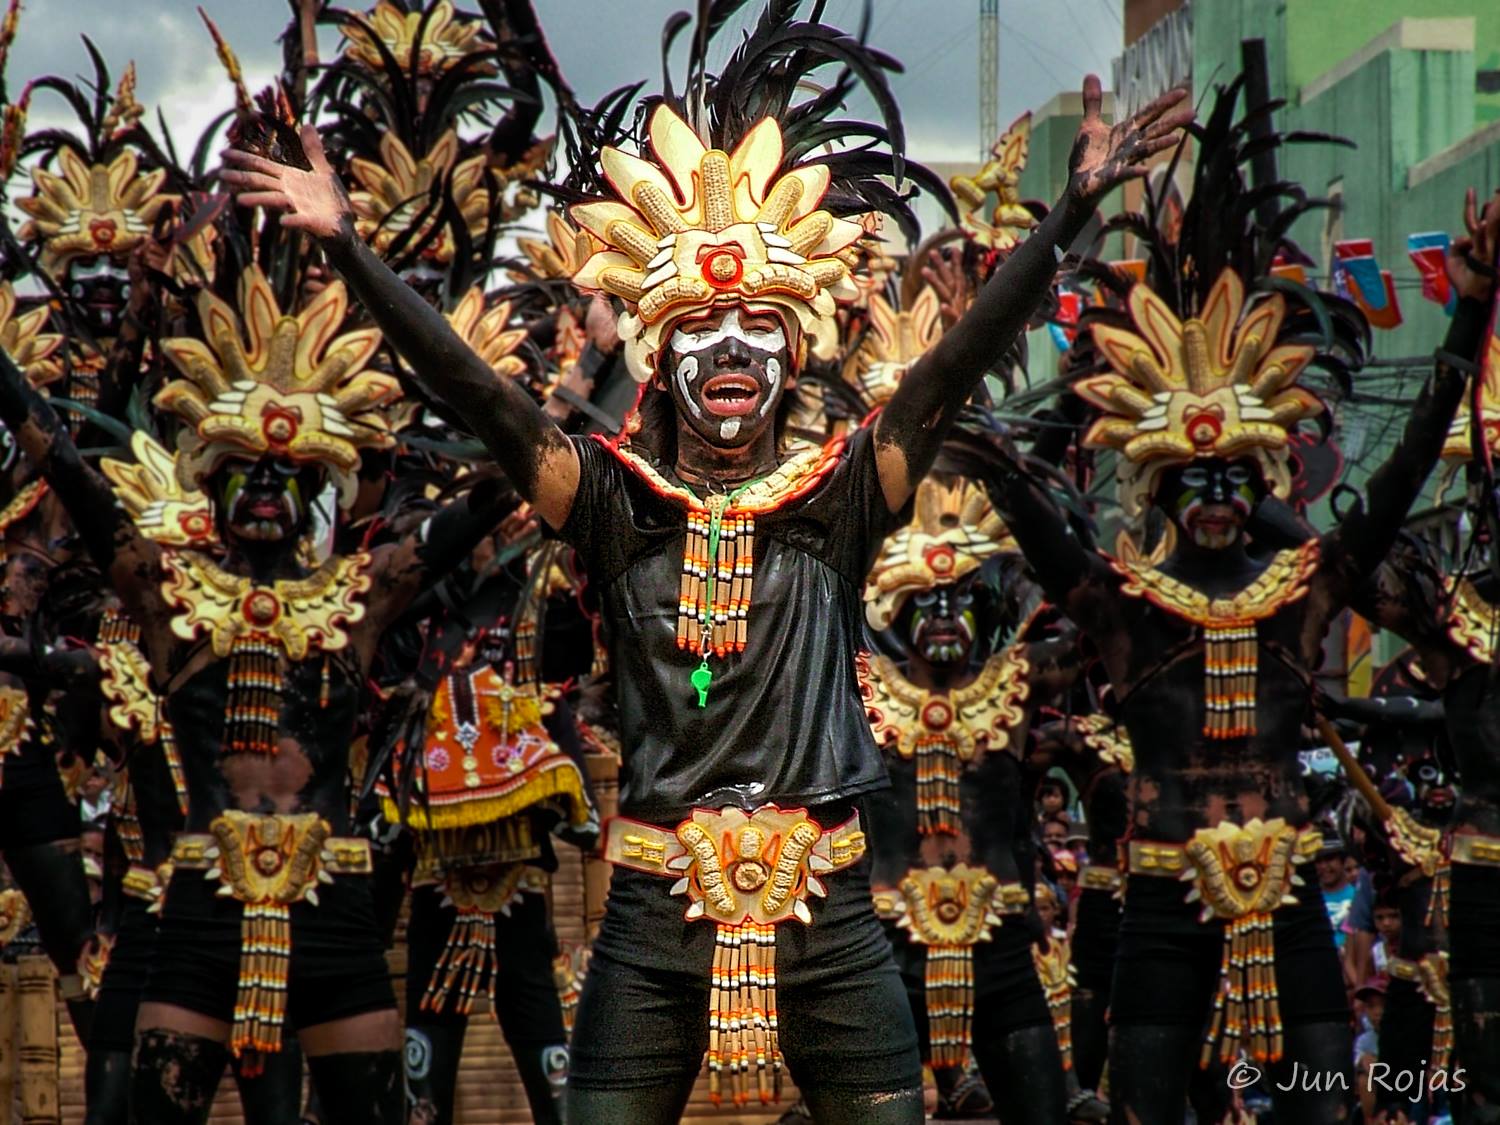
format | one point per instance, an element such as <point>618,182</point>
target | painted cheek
<point>1244,499</point>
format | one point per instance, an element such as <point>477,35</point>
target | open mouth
<point>264,508</point>
<point>731,396</point>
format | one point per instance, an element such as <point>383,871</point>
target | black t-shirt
<point>784,723</point>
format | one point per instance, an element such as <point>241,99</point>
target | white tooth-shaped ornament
<point>799,908</point>
<point>785,257</point>
<point>815,862</point>
<point>311,896</point>
<point>771,238</point>
<point>213,873</point>
<point>815,886</point>
<point>680,862</point>
<point>324,877</point>
<point>695,911</point>
<point>654,279</point>
<point>662,256</point>
<point>680,887</point>
<point>667,241</point>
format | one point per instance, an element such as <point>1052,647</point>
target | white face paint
<point>696,347</point>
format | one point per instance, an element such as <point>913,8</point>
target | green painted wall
<point>1320,30</point>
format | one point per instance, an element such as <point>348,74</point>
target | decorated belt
<point>748,872</point>
<point>1240,874</point>
<point>1097,877</point>
<point>1473,848</point>
<point>147,884</point>
<point>469,962</point>
<point>1430,973</point>
<point>950,910</point>
<point>267,863</point>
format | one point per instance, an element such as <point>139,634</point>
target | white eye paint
<point>729,429</point>
<point>762,339</point>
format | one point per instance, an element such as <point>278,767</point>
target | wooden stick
<point>1357,775</point>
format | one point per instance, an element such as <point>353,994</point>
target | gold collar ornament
<point>1215,385</point>
<point>15,723</point>
<point>945,731</point>
<point>255,626</point>
<point>1231,643</point>
<point>1107,738</point>
<point>1473,623</point>
<point>747,872</point>
<point>91,210</point>
<point>1241,874</point>
<point>718,556</point>
<point>262,382</point>
<point>700,228</point>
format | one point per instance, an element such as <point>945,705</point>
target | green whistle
<point>702,676</point>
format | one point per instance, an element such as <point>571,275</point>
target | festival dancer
<point>745,741</point>
<point>260,661</point>
<point>951,860</point>
<point>502,769</point>
<point>1210,653</point>
<point>1449,617</point>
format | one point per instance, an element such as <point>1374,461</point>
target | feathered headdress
<point>954,530</point>
<point>894,342</point>
<point>266,382</point>
<point>722,207</point>
<point>1203,359</point>
<point>149,489</point>
<point>705,228</point>
<point>31,349</point>
<point>426,41</point>
<point>91,209</point>
<point>1215,385</point>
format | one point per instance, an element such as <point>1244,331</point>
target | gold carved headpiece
<point>393,195</point>
<point>895,341</point>
<point>267,382</point>
<point>445,41</point>
<point>698,228</point>
<point>91,209</point>
<point>953,531</point>
<point>1000,175</point>
<point>31,349</point>
<point>149,489</point>
<point>1216,385</point>
<point>1458,449</point>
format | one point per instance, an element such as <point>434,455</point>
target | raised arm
<point>1074,577</point>
<point>914,423</point>
<point>1357,545</point>
<point>107,531</point>
<point>418,561</point>
<point>533,452</point>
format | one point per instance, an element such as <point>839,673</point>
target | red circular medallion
<point>936,714</point>
<point>262,608</point>
<point>722,268</point>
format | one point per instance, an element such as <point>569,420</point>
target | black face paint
<point>727,378</point>
<point>101,289</point>
<point>940,624</point>
<point>1210,500</point>
<point>266,500</point>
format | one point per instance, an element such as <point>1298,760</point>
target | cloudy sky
<point>1045,46</point>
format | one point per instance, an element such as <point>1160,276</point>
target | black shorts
<point>1095,939</point>
<point>845,1022</point>
<point>34,806</point>
<point>113,1025</point>
<point>526,1000</point>
<point>1167,970</point>
<point>1473,921</point>
<point>1007,993</point>
<point>337,968</point>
